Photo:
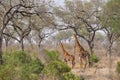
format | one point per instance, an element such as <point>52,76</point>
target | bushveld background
<point>30,32</point>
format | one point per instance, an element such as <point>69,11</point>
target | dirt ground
<point>99,71</point>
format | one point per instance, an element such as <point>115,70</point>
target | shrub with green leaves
<point>51,55</point>
<point>94,58</point>
<point>118,67</point>
<point>70,76</point>
<point>56,68</point>
<point>20,66</point>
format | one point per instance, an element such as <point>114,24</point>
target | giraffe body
<point>67,57</point>
<point>82,53</point>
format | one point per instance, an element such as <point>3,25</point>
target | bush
<point>19,57</point>
<point>70,76</point>
<point>7,72</point>
<point>34,66</point>
<point>94,58</point>
<point>20,66</point>
<point>51,55</point>
<point>56,68</point>
<point>118,67</point>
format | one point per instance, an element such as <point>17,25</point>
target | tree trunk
<point>91,50</point>
<point>91,46</point>
<point>39,45</point>
<point>22,45</point>
<point>1,50</point>
<point>109,60</point>
<point>6,42</point>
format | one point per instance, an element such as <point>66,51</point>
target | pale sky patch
<point>59,2</point>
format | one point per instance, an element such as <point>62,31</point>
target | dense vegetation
<point>35,25</point>
<point>55,69</point>
<point>20,66</point>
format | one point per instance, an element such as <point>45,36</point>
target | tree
<point>63,35</point>
<point>82,18</point>
<point>6,38</point>
<point>16,14</point>
<point>110,22</point>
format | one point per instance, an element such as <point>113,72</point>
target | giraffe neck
<point>77,44</point>
<point>62,47</point>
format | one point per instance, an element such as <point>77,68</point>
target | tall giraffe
<point>82,53</point>
<point>67,57</point>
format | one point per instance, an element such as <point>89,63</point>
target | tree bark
<point>1,61</point>
<point>109,52</point>
<point>22,45</point>
<point>91,46</point>
<point>6,43</point>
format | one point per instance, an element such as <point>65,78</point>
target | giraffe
<point>82,53</point>
<point>67,57</point>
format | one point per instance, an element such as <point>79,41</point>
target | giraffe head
<point>60,43</point>
<point>73,37</point>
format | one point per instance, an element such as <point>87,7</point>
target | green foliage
<point>118,67</point>
<point>64,34</point>
<point>94,58</point>
<point>7,72</point>
<point>18,57</point>
<point>70,76</point>
<point>34,66</point>
<point>56,68</point>
<point>83,31</point>
<point>111,15</point>
<point>19,66</point>
<point>51,55</point>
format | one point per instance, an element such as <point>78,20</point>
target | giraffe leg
<point>88,60</point>
<point>65,60</point>
<point>73,63</point>
<point>85,63</point>
<point>80,62</point>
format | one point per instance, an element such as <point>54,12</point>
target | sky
<point>59,2</point>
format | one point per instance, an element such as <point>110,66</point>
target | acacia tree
<point>18,14</point>
<point>7,37</point>
<point>22,32</point>
<point>6,15</point>
<point>13,13</point>
<point>111,23</point>
<point>42,22</point>
<point>82,18</point>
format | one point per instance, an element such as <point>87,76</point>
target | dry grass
<point>99,71</point>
